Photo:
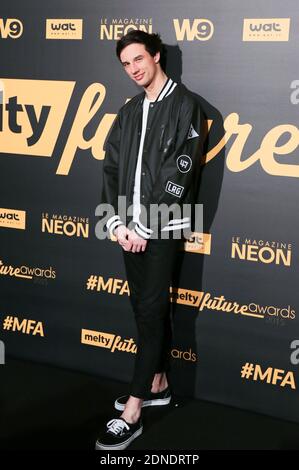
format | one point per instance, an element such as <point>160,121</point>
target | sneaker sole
<point>121,446</point>
<point>160,402</point>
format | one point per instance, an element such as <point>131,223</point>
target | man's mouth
<point>139,77</point>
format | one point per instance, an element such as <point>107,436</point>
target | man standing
<point>153,159</point>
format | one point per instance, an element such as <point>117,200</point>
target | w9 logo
<point>11,27</point>
<point>201,29</point>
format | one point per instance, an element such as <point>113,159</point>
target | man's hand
<point>122,233</point>
<point>137,243</point>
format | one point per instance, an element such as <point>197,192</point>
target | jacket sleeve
<point>110,174</point>
<point>179,169</point>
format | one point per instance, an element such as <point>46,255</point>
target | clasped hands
<point>129,240</point>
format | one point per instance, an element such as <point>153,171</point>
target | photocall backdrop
<point>64,295</point>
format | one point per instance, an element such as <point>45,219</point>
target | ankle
<point>131,417</point>
<point>159,385</point>
<point>132,410</point>
<point>158,389</point>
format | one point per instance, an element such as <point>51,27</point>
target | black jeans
<point>149,276</point>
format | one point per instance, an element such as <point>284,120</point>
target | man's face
<point>139,64</point>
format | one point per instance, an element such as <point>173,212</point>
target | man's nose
<point>134,69</point>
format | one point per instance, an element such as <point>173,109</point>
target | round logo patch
<point>184,163</point>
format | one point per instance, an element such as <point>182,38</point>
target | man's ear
<point>157,57</point>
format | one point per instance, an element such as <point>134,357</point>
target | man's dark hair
<point>152,43</point>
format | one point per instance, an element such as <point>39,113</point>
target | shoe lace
<point>116,426</point>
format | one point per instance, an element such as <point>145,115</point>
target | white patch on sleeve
<point>192,133</point>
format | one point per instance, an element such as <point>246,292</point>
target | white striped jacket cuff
<point>143,231</point>
<point>113,223</point>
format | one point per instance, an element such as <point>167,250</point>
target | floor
<point>44,407</point>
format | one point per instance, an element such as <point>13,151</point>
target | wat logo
<point>10,28</point>
<point>115,28</point>
<point>266,29</point>
<point>261,251</point>
<point>199,29</point>
<point>67,225</point>
<point>12,218</point>
<point>64,28</point>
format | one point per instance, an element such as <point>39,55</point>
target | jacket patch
<point>174,189</point>
<point>184,163</point>
<point>192,133</point>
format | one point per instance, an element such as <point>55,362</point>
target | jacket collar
<point>167,89</point>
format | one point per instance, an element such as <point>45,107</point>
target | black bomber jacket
<point>170,160</point>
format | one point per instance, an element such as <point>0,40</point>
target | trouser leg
<point>149,277</point>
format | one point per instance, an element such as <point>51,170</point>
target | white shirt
<point>136,195</point>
